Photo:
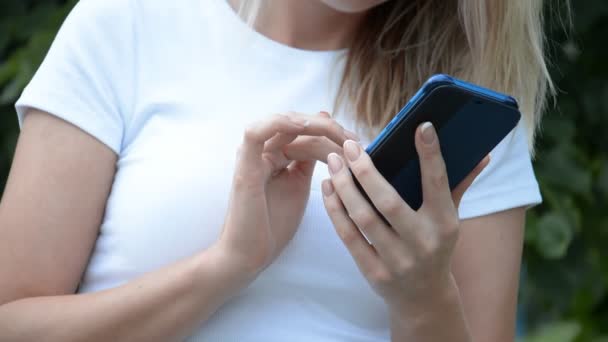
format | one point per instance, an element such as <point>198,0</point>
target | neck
<point>306,24</point>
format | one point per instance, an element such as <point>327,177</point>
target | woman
<point>128,214</point>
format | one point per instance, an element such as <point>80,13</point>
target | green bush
<point>566,250</point>
<point>565,289</point>
<point>27,28</point>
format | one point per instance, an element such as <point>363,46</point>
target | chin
<point>353,6</point>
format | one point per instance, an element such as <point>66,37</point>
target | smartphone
<point>470,121</point>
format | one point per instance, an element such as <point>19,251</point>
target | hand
<point>410,259</point>
<point>271,185</point>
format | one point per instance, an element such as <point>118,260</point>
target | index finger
<point>282,139</point>
<point>321,125</point>
<point>256,135</point>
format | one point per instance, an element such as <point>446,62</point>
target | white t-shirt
<point>169,86</point>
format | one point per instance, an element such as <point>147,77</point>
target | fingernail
<point>428,133</point>
<point>334,163</point>
<point>351,150</point>
<point>327,188</point>
<point>351,135</point>
<point>325,113</point>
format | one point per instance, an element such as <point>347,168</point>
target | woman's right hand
<point>271,186</point>
<point>43,255</point>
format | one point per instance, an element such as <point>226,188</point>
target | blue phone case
<point>470,121</point>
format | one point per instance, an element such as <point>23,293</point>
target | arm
<point>49,221</point>
<point>439,285</point>
<point>481,297</point>
<point>408,260</point>
<point>49,218</point>
<point>486,266</point>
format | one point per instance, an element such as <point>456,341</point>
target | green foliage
<point>555,332</point>
<point>565,291</point>
<point>567,237</point>
<point>27,28</point>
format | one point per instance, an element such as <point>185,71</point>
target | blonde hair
<point>498,44</point>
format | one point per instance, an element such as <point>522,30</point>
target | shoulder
<point>106,10</point>
<point>139,11</point>
<point>93,20</point>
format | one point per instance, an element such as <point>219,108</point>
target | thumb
<point>304,168</point>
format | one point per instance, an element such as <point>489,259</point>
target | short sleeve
<point>87,76</point>
<point>507,182</point>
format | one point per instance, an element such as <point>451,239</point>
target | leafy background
<point>564,292</point>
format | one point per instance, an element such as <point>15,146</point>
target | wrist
<point>417,319</point>
<point>432,298</point>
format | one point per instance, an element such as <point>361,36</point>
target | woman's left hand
<point>409,260</point>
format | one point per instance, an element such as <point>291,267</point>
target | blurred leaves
<point>556,332</point>
<point>27,28</point>
<point>554,235</point>
<point>32,28</point>
<point>565,290</point>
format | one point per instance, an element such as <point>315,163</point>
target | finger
<point>271,151</point>
<point>435,187</point>
<point>311,148</point>
<point>278,141</point>
<point>459,191</point>
<point>324,126</point>
<point>324,114</point>
<point>363,253</point>
<point>360,210</point>
<point>277,161</point>
<point>382,194</point>
<point>304,168</point>
<point>256,135</point>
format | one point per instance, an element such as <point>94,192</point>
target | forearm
<point>437,317</point>
<point>163,305</point>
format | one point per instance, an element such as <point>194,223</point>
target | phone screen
<point>469,126</point>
